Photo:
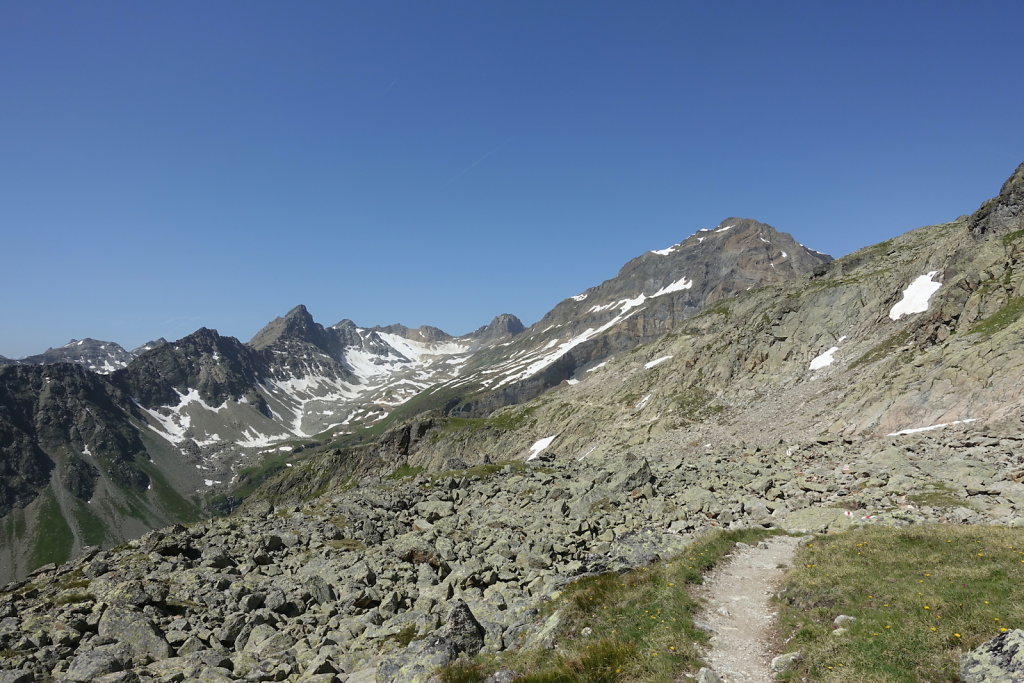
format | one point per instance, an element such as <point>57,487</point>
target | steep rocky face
<point>1004,213</point>
<point>77,470</point>
<point>99,356</point>
<point>62,413</point>
<point>219,368</point>
<point>297,326</point>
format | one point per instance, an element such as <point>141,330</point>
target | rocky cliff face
<point>77,470</point>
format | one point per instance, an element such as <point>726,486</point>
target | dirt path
<point>739,613</point>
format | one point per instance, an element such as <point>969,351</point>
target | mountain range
<point>736,333</point>
<point>373,503</point>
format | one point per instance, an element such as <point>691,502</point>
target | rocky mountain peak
<point>504,325</point>
<point>296,324</point>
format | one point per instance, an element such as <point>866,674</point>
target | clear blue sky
<point>171,165</point>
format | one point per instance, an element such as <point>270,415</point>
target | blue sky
<point>171,165</point>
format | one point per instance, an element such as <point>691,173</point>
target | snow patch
<point>656,362</point>
<point>824,360</point>
<point>598,366</point>
<point>666,251</point>
<point>916,296</point>
<point>728,227</point>
<point>572,381</point>
<point>416,350</point>
<point>579,297</point>
<point>537,448</point>
<point>677,286</point>
<point>642,402</point>
<point>917,430</point>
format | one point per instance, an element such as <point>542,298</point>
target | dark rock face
<point>1002,214</point>
<point>51,408</point>
<point>218,367</point>
<point>1000,660</point>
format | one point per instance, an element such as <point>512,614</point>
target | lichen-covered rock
<point>135,630</point>
<point>1000,660</point>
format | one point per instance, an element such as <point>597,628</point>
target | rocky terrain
<point>396,576</point>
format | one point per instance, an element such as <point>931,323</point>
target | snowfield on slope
<point>916,296</point>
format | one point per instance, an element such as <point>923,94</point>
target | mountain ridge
<point>212,408</point>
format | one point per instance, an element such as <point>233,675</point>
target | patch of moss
<point>72,598</point>
<point>347,544</point>
<point>939,495</point>
<point>507,421</point>
<point>882,350</point>
<point>695,404</point>
<point>405,472</point>
<point>405,636</point>
<point>1004,317</point>
<point>1013,237</point>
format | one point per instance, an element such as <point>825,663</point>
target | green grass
<point>1004,317</point>
<point>939,496</point>
<point>249,478</point>
<point>91,527</point>
<point>405,472</point>
<point>882,350</point>
<point>72,598</point>
<point>1013,237</point>
<point>923,596</point>
<point>170,500</point>
<point>53,539</point>
<point>695,404</point>
<point>641,624</point>
<point>347,544</point>
<point>506,421</point>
